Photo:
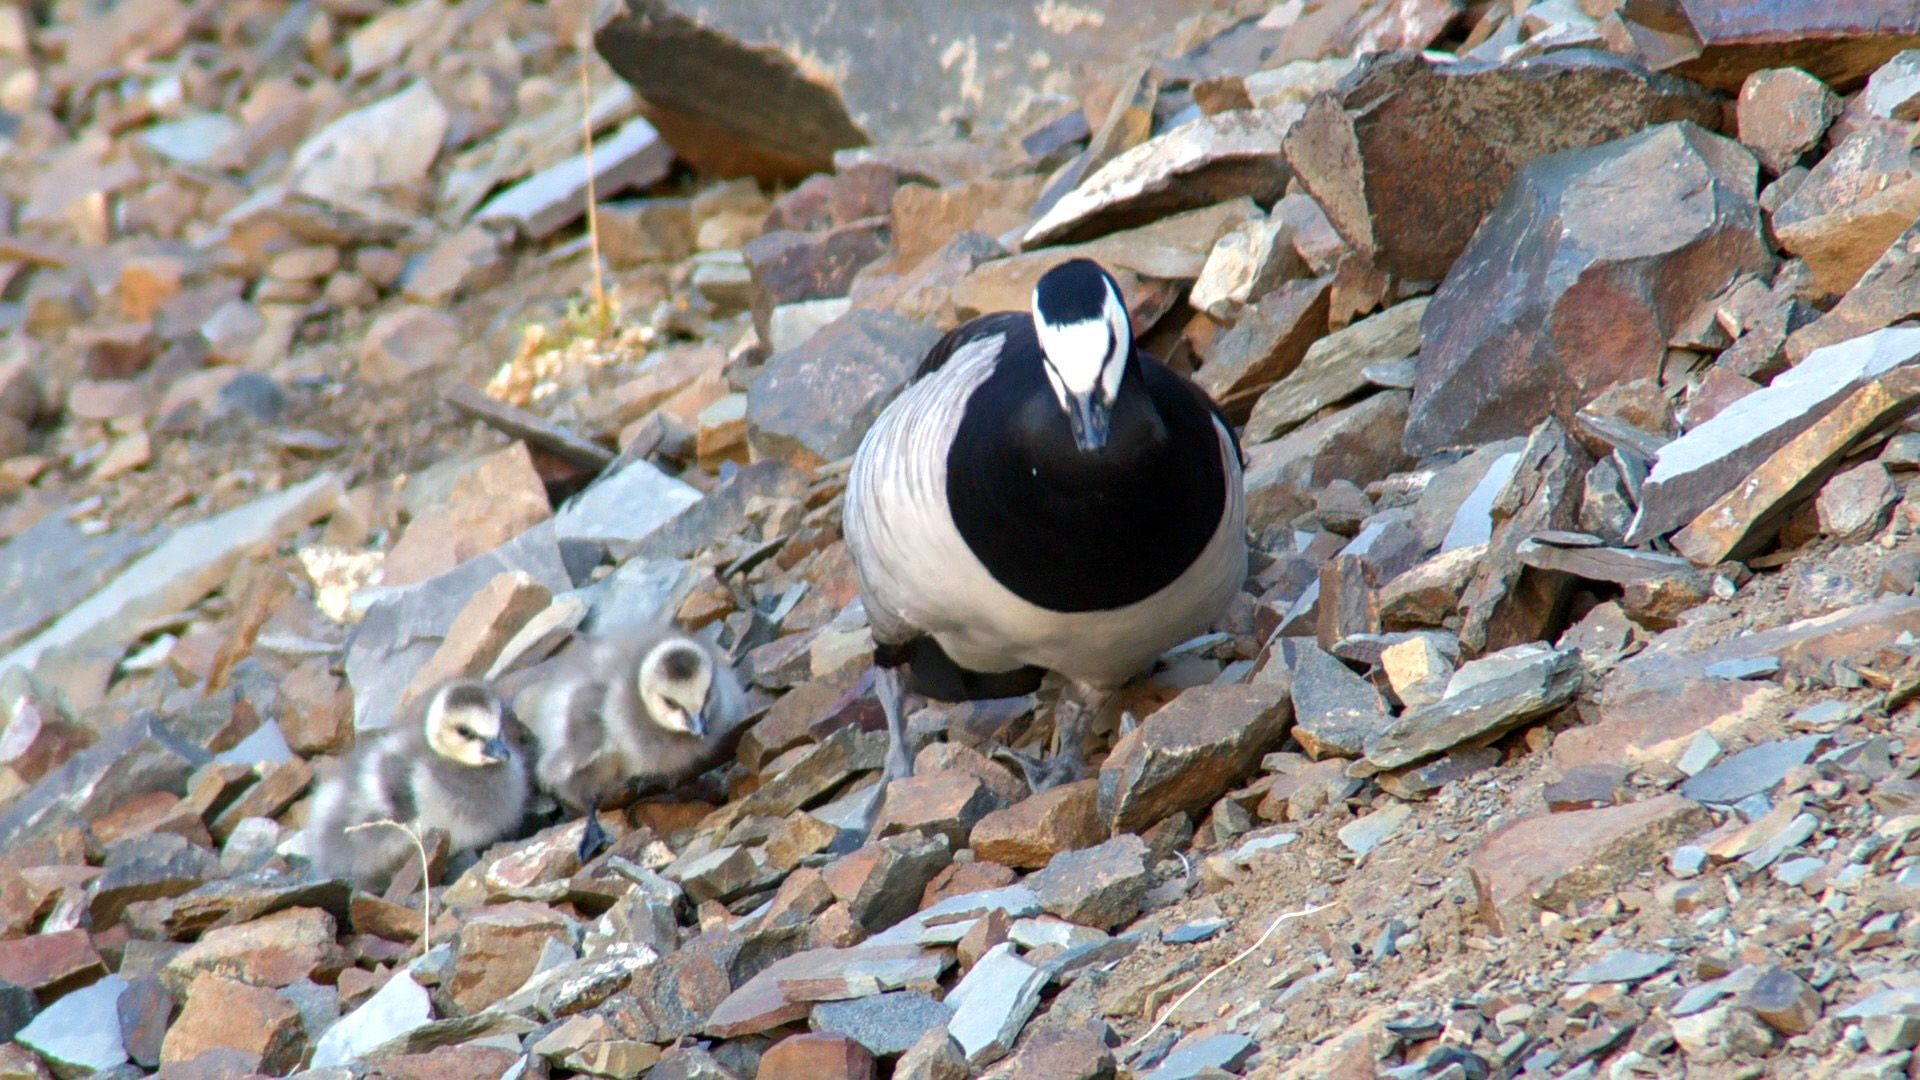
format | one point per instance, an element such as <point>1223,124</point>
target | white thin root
<point>426,887</point>
<point>1168,1012</point>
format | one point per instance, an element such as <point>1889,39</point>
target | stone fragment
<point>1515,332</point>
<point>188,564</point>
<point>1782,113</point>
<point>1555,861</point>
<point>1359,444</point>
<point>881,883</point>
<point>1060,1052</point>
<point>790,267</point>
<point>1744,519</point>
<point>1362,835</point>
<point>1100,886</point>
<point>407,342</point>
<point>1417,670</point>
<point>151,866</point>
<point>1412,213</point>
<point>1854,505</point>
<point>1840,45</point>
<point>79,1035</point>
<point>633,157</point>
<point>484,626</point>
<point>1334,367</point>
<point>1031,832</point>
<point>50,964</point>
<point>1200,1055</point>
<point>146,1011</point>
<point>277,950</point>
<point>1713,458</point>
<point>1189,753</point>
<point>947,803</point>
<point>1586,787</point>
<point>823,1054</point>
<point>1721,1033</point>
<point>1335,710</point>
<point>398,1007</point>
<point>1851,208</point>
<point>1783,1001</point>
<point>992,1003</point>
<point>1752,771</point>
<point>813,404</point>
<point>1889,292</point>
<point>1245,265</point>
<point>1203,161</point>
<point>886,1024</point>
<point>1893,91</point>
<point>763,88</point>
<point>1621,966</point>
<point>498,949</point>
<point>222,1014</point>
<point>388,144</point>
<point>1266,342</point>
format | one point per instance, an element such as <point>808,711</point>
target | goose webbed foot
<point>593,839</point>
<point>1042,774</point>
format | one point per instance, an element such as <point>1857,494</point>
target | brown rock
<point>1189,753</point>
<point>986,932</point>
<point>1746,518</point>
<point>279,785</point>
<point>1265,344</point>
<point>1031,832</point>
<point>316,710</point>
<point>1064,1053</point>
<point>276,950</point>
<point>1857,503</point>
<point>1201,162</point>
<point>637,231</point>
<point>449,1063</point>
<point>813,403</point>
<point>469,261</point>
<point>222,1014</point>
<point>818,1054</point>
<point>1517,330</point>
<point>145,1011</point>
<point>1585,787</point>
<point>497,498</point>
<point>51,964</point>
<point>497,950</point>
<point>1501,691</point>
<point>788,267</point>
<point>1556,861</point>
<point>1887,293</point>
<point>947,803</point>
<point>1407,181</point>
<point>882,882</point>
<point>1782,113</point>
<point>937,1056</point>
<point>1508,603</point>
<point>1839,44</point>
<point>962,878</point>
<point>408,342</point>
<point>1335,710</point>
<point>925,218</point>
<point>1784,1001</point>
<point>490,619</point>
<point>1359,444</point>
<point>1333,369</point>
<point>1852,207</point>
<point>1101,886</point>
<point>1429,594</point>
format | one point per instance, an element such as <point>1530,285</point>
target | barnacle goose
<point>1044,496</point>
<point>647,704</point>
<point>453,767</point>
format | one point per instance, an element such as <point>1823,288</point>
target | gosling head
<point>675,678</point>
<point>466,724</point>
<point>1086,345</point>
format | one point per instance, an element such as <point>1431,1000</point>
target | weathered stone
<point>146,1011</point>
<point>1244,265</point>
<point>407,342</point>
<point>789,267</point>
<point>51,964</point>
<point>937,1056</point>
<point>1855,504</point>
<point>1335,711</point>
<point>1031,832</point>
<point>1782,113</point>
<point>498,949</point>
<point>1586,787</point>
<point>1784,1001</point>
<point>827,1055</point>
<point>539,206</point>
<point>948,803</point>
<point>886,1024</point>
<point>1100,886</point>
<point>1201,162</point>
<point>766,89</point>
<point>1507,603</point>
<point>881,883</point>
<point>388,144</point>
<point>1333,369</point>
<point>398,1007</point>
<point>1064,1053</point>
<point>1429,594</point>
<point>1533,681</point>
<point>1889,292</point>
<point>1566,291</point>
<point>1840,45</point>
<point>992,1004</point>
<point>813,404</point>
<point>1852,207</point>
<point>1554,861</point>
<point>79,1034</point>
<point>1713,458</point>
<point>1265,343</point>
<point>222,1014</point>
<point>1189,753</point>
<point>1360,444</point>
<point>52,566</point>
<point>152,866</point>
<point>1399,157</point>
<point>1417,670</point>
<point>278,950</point>
<point>1747,517</point>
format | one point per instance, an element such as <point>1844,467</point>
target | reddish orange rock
<point>818,1055</point>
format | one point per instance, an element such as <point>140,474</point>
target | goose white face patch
<point>1088,354</point>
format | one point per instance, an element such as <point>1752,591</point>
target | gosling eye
<point>465,732</point>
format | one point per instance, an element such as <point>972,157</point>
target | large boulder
<point>1577,280</point>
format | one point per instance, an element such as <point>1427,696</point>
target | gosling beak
<point>697,723</point>
<point>1087,417</point>
<point>497,749</point>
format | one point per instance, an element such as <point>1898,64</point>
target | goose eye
<point>465,732</point>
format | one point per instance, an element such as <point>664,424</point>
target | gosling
<point>455,770</point>
<point>647,705</point>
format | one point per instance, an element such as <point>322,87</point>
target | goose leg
<point>1072,715</point>
<point>888,688</point>
<point>593,838</point>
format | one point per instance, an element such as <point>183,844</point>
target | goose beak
<point>697,723</point>
<point>497,749</point>
<point>1087,417</point>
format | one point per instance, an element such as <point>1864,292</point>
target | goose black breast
<point>1069,531</point>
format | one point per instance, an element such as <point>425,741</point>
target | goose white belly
<point>920,577</point>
